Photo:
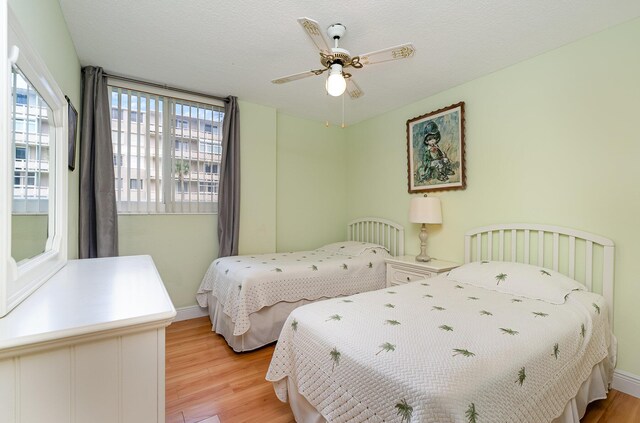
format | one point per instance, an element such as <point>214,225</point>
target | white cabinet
<point>87,346</point>
<point>405,269</point>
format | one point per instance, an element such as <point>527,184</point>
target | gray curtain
<point>98,216</point>
<point>229,189</point>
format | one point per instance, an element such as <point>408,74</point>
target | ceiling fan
<point>336,59</point>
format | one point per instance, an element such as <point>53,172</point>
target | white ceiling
<point>238,46</point>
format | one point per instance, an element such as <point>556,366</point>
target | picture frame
<point>73,130</point>
<point>435,150</point>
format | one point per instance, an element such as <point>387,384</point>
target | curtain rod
<point>163,86</point>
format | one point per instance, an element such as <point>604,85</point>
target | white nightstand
<point>406,269</point>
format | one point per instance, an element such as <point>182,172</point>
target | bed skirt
<point>266,324</point>
<point>594,388</point>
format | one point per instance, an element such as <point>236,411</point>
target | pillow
<point>355,248</point>
<point>519,279</point>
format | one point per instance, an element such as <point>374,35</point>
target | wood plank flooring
<point>206,382</point>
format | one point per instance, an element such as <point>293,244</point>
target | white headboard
<point>574,253</point>
<point>378,231</point>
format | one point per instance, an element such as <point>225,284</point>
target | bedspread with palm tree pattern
<point>441,351</point>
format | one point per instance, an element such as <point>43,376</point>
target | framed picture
<point>435,150</point>
<point>73,129</point>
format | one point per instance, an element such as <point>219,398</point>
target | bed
<point>511,336</point>
<point>250,297</point>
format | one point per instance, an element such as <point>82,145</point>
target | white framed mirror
<point>33,188</point>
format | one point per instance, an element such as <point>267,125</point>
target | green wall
<point>311,168</point>
<point>44,24</point>
<point>550,140</point>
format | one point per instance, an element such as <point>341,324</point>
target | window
<point>211,168</point>
<point>117,159</point>
<point>165,154</point>
<point>136,184</point>
<point>21,99</point>
<point>209,128</point>
<point>21,153</point>
<point>208,187</point>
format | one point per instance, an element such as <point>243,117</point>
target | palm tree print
<point>226,271</point>
<point>277,270</point>
<point>509,331</point>
<point>335,357</point>
<point>294,325</point>
<point>544,272</point>
<point>597,307</point>
<point>344,266</point>
<point>438,308</point>
<point>389,305</point>
<point>501,277</point>
<point>463,352</point>
<point>521,376</point>
<point>370,265</point>
<point>539,314</point>
<point>473,298</point>
<point>459,287</point>
<point>484,262</point>
<point>485,313</point>
<point>515,300</point>
<point>347,301</point>
<point>336,317</point>
<point>428,296</point>
<point>314,267</point>
<point>425,284</point>
<point>446,328</point>
<point>392,322</point>
<point>583,330</point>
<point>388,347</point>
<point>472,414</point>
<point>391,292</point>
<point>404,411</point>
<point>556,351</point>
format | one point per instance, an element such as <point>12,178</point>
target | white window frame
<point>19,280</point>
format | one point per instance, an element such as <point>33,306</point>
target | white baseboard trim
<point>626,382</point>
<point>191,312</point>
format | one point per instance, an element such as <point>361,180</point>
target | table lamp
<point>425,210</point>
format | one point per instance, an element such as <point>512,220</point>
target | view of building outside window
<point>30,133</point>
<point>167,151</point>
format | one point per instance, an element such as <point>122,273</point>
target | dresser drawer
<point>402,276</point>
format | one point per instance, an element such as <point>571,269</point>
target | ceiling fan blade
<point>297,76</point>
<point>353,89</point>
<point>403,51</point>
<point>314,32</point>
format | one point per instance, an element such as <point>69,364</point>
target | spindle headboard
<point>378,231</point>
<point>582,256</point>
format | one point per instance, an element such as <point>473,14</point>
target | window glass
<point>172,169</point>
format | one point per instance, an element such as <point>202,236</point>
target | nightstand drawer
<point>402,276</point>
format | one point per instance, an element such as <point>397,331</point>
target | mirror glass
<point>33,139</point>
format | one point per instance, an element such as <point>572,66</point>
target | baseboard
<point>626,382</point>
<point>191,312</point>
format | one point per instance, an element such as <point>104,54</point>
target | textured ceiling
<point>237,47</point>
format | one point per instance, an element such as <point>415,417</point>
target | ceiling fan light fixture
<point>336,84</point>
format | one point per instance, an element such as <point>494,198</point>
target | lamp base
<point>423,256</point>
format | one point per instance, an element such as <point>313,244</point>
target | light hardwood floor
<point>206,382</point>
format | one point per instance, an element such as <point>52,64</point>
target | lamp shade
<point>425,210</point>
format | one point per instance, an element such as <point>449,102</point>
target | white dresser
<point>88,346</point>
